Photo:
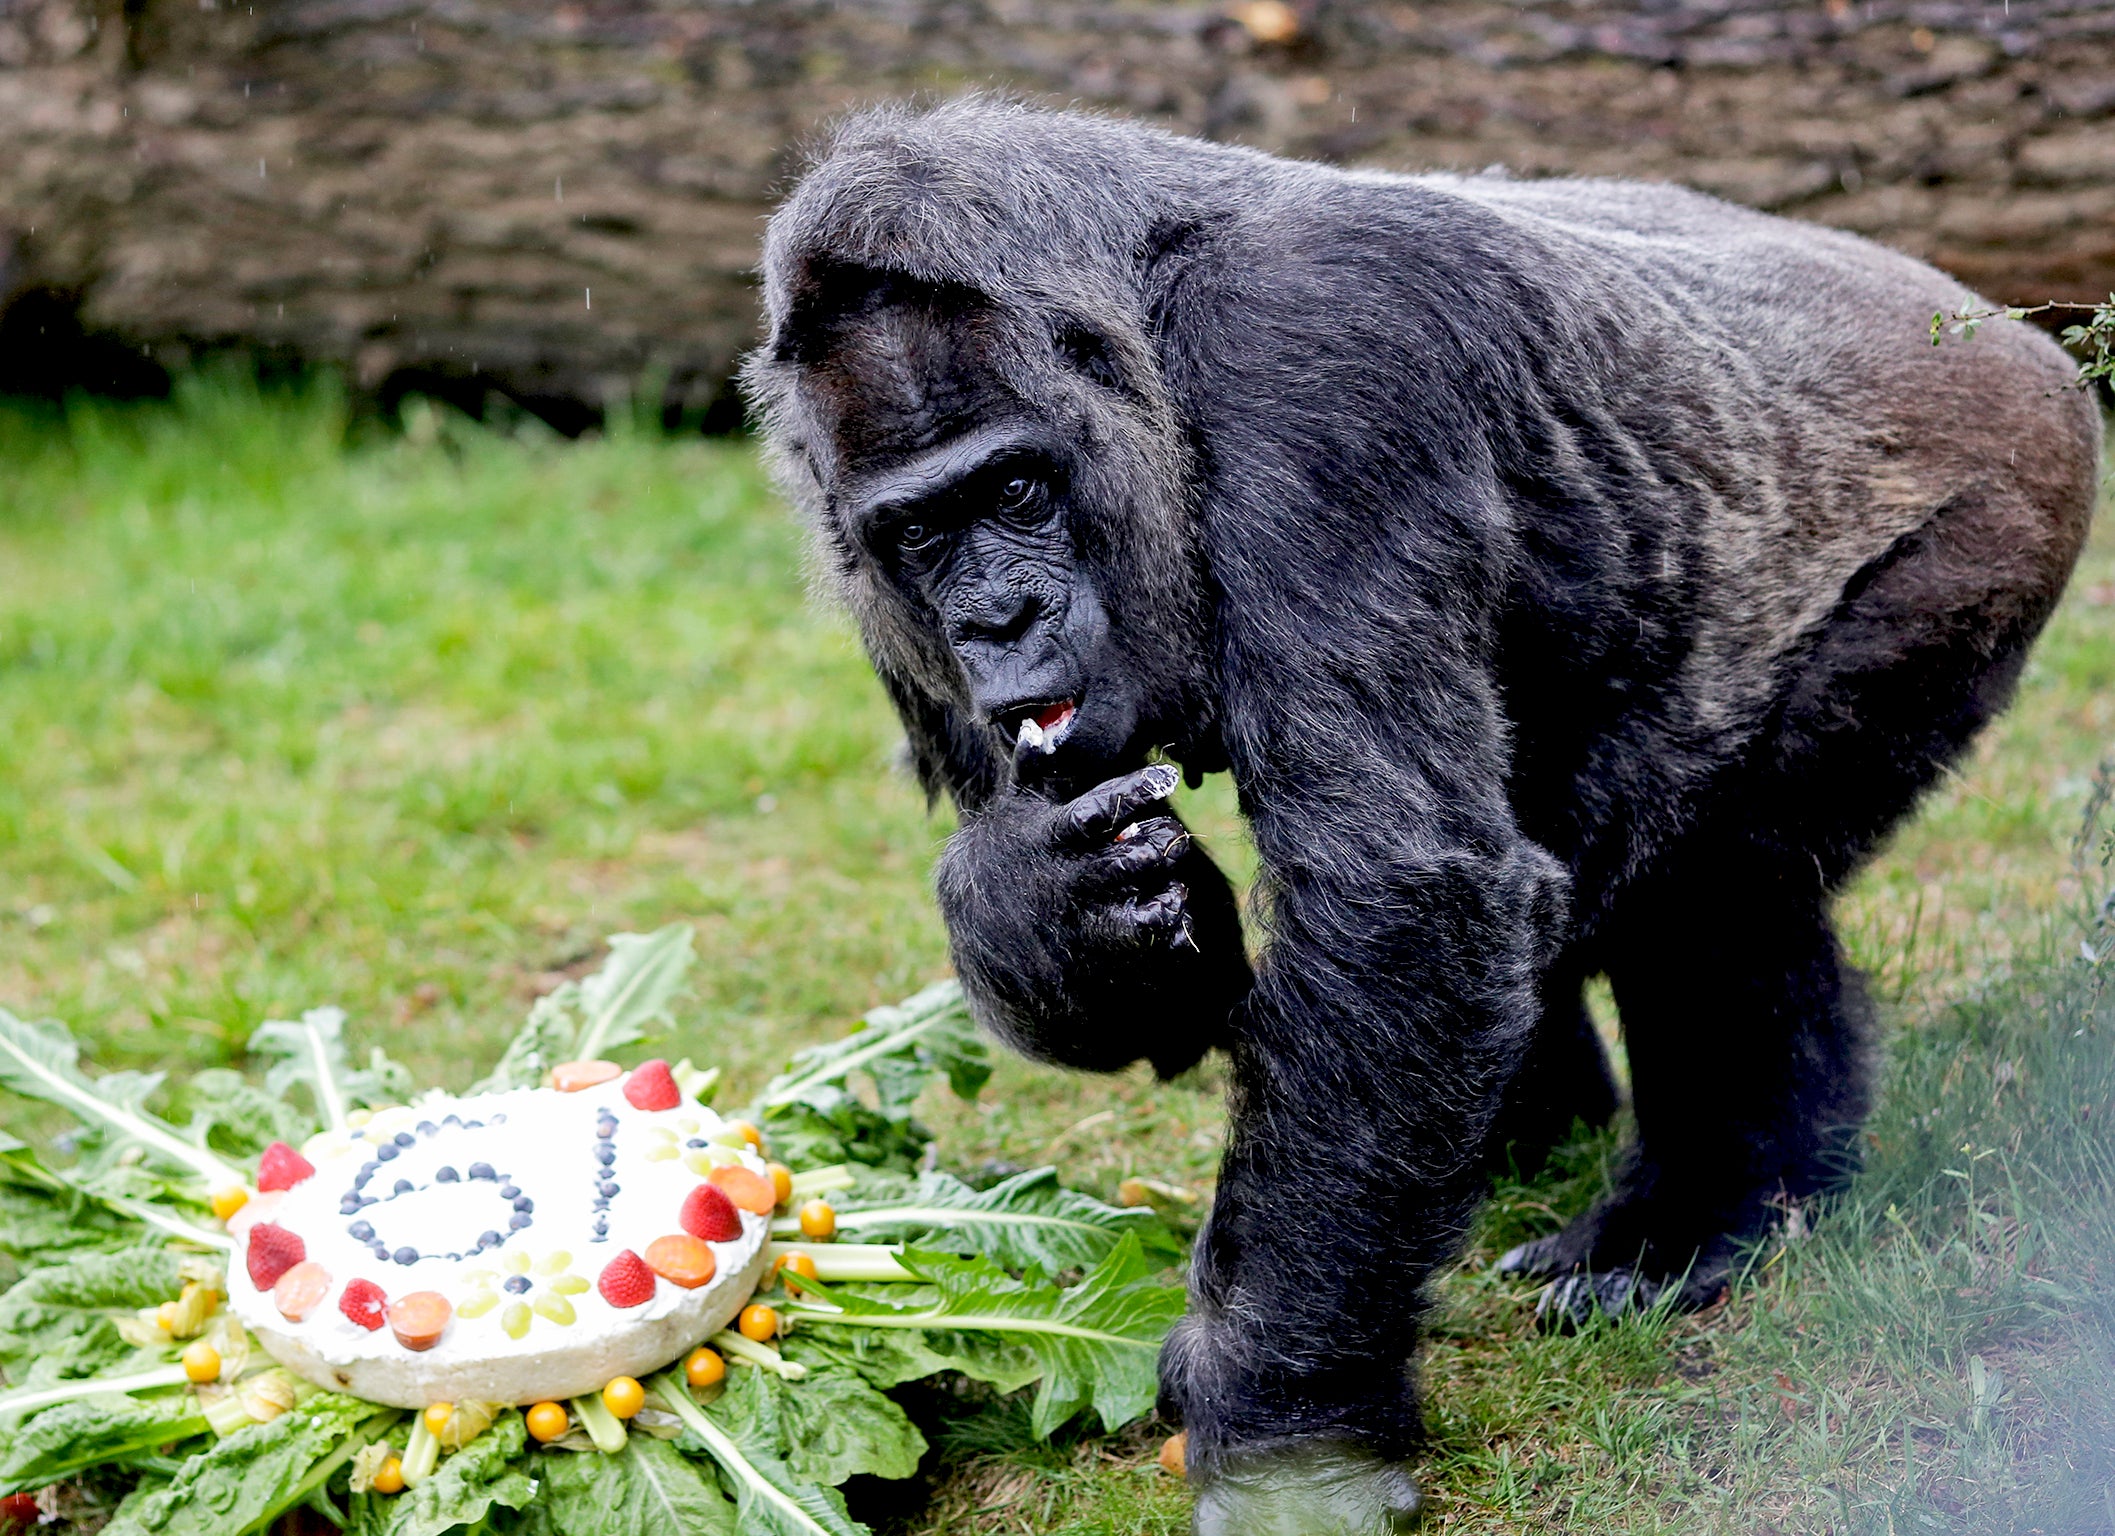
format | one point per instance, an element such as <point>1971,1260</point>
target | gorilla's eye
<point>1016,493</point>
<point>915,538</point>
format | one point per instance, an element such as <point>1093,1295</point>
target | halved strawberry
<point>708,1213</point>
<point>365,1304</point>
<point>273,1251</point>
<point>282,1167</point>
<point>652,1086</point>
<point>626,1281</point>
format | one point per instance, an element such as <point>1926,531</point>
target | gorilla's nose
<point>1000,619</point>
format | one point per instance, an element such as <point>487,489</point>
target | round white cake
<point>533,1216</point>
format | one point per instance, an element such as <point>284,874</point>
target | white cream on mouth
<point>1043,732</point>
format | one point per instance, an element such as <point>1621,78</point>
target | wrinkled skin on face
<point>976,535</point>
<point>972,495</point>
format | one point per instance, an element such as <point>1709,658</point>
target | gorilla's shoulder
<point>985,185</point>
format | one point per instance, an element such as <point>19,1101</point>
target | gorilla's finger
<point>1142,919</point>
<point>1162,832</point>
<point>1121,862</point>
<point>1134,865</point>
<point>1162,914</point>
<point>1104,808</point>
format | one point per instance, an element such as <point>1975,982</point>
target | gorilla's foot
<point>1313,1488</point>
<point>1543,1257</point>
<point>1571,1301</point>
<point>1587,1279</point>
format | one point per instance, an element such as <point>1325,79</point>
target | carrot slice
<point>750,1191</point>
<point>681,1259</point>
<point>299,1289</point>
<point>572,1076</point>
<point>419,1320</point>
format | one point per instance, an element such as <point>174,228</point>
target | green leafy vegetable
<point>43,1217</point>
<point>888,1357</point>
<point>772,1502</point>
<point>647,1489</point>
<point>815,1117</point>
<point>162,1220</point>
<point>827,1427</point>
<point>230,1114</point>
<point>1097,1342</point>
<point>901,1048</point>
<point>311,1051</point>
<point>91,1431</point>
<point>616,1006</point>
<point>831,1125</point>
<point>483,1474</point>
<point>1027,1219</point>
<point>40,1061</point>
<point>61,1322</point>
<point>247,1480</point>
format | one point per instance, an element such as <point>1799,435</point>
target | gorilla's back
<point>1697,427</point>
<point>1785,428</point>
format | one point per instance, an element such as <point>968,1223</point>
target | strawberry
<point>282,1167</point>
<point>273,1251</point>
<point>626,1281</point>
<point>652,1086</point>
<point>708,1213</point>
<point>364,1303</point>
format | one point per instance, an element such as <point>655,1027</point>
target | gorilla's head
<point>960,388</point>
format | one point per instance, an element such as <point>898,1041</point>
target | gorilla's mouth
<point>1039,727</point>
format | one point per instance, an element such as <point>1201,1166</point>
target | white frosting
<point>542,1143</point>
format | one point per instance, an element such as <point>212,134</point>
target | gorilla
<point>1577,578</point>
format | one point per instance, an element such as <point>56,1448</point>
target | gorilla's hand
<point>1310,1488</point>
<point>1094,931</point>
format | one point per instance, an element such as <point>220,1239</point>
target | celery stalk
<point>92,1386</point>
<point>836,1263</point>
<point>820,1181</point>
<point>739,1347</point>
<point>602,1426</point>
<point>422,1452</point>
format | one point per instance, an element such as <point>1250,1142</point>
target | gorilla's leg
<point>1746,1032</point>
<point>1742,1020</point>
<point>1563,1081</point>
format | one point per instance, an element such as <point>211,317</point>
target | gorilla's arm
<point>1355,544</point>
<point>1095,931</point>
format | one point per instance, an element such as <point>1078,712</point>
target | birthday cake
<point>506,1247</point>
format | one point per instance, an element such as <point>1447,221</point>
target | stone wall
<point>558,201</point>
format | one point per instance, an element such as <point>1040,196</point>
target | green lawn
<point>408,724</point>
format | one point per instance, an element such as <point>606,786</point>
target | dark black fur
<point>1576,577</point>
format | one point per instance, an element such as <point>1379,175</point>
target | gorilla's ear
<point>946,751</point>
<point>1172,249</point>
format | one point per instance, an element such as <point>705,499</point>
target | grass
<point>407,723</point>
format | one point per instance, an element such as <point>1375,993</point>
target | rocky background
<point>561,202</point>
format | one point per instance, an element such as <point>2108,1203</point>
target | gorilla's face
<point>976,533</point>
<point>973,483</point>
